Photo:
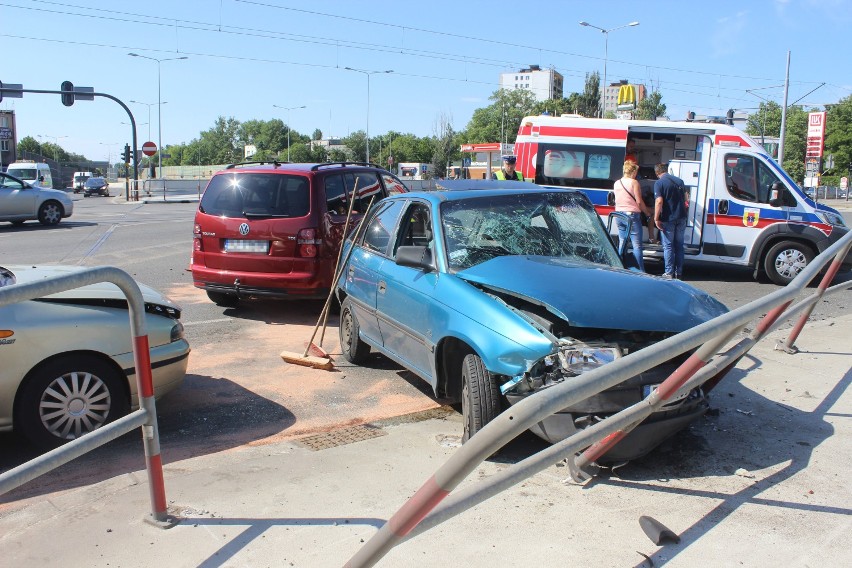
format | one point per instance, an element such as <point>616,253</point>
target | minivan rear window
<point>256,195</point>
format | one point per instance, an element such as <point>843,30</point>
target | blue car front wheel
<point>480,396</point>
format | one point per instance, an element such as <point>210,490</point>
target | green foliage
<point>29,144</point>
<point>443,150</point>
<point>766,121</point>
<point>357,144</point>
<point>838,136</point>
<point>499,121</point>
<point>317,135</point>
<point>651,107</point>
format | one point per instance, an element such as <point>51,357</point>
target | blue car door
<point>361,275</point>
<point>404,296</point>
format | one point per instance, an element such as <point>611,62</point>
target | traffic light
<point>126,154</point>
<point>67,89</point>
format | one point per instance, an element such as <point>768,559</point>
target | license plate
<point>646,390</point>
<point>244,245</point>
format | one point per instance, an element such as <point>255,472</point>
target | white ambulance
<point>744,209</point>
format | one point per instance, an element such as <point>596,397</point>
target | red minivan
<point>270,229</point>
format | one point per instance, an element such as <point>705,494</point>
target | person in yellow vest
<point>508,170</point>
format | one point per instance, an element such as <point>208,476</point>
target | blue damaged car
<point>481,285</point>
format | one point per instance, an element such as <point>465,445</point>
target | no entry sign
<point>149,148</point>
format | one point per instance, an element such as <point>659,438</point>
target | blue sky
<point>244,56</point>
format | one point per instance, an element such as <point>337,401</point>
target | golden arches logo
<point>627,95</point>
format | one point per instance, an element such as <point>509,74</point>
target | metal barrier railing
<point>145,416</point>
<point>428,507</point>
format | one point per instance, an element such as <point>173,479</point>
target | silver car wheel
<point>74,404</point>
<point>50,213</point>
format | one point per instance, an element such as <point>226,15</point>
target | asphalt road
<point>238,390</point>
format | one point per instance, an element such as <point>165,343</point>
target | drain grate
<point>341,437</point>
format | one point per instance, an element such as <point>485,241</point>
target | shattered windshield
<point>559,224</point>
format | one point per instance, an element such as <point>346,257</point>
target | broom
<point>319,358</point>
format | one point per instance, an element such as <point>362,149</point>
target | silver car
<point>20,201</point>
<point>67,362</point>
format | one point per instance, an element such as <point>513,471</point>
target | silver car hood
<point>99,291</point>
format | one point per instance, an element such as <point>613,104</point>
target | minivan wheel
<point>480,396</point>
<point>355,350</point>
<point>786,260</point>
<point>50,213</point>
<point>68,397</point>
<point>224,300</point>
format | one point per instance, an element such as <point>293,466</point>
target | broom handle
<point>336,276</point>
<point>324,313</point>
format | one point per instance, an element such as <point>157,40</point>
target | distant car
<point>274,229</point>
<point>20,202</point>
<point>78,180</point>
<point>96,186</point>
<point>67,362</point>
<point>494,291</point>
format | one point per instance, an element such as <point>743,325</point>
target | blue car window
<point>377,234</point>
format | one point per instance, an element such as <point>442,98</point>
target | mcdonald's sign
<point>626,97</point>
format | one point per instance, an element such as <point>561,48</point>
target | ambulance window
<point>765,178</point>
<point>740,177</point>
<point>578,165</point>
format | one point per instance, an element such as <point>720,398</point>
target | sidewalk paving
<point>761,481</point>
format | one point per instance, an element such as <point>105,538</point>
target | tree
<point>443,145</point>
<point>29,144</point>
<point>357,144</point>
<point>222,141</point>
<point>795,141</point>
<point>499,121</point>
<point>651,107</point>
<point>590,100</point>
<point>838,135</point>
<point>317,135</point>
<point>766,121</point>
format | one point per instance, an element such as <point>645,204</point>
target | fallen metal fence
<point>145,417</point>
<point>432,504</point>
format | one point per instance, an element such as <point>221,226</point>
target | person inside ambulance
<point>741,180</point>
<point>630,154</point>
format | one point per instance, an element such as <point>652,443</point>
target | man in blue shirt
<point>671,207</point>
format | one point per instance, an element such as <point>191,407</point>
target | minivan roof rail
<point>276,163</point>
<point>342,164</point>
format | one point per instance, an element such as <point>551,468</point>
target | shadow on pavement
<point>206,415</point>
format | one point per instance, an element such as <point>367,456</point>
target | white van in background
<point>78,181</point>
<point>34,173</point>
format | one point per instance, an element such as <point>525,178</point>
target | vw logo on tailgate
<point>244,229</point>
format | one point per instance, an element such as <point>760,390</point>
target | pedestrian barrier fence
<point>145,417</point>
<point>432,504</point>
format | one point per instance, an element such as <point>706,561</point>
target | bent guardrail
<point>432,504</point>
<point>145,417</point>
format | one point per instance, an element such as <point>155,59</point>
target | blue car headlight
<point>577,358</point>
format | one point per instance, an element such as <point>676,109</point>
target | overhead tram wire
<point>132,18</point>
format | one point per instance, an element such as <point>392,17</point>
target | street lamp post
<point>109,146</point>
<point>159,108</point>
<point>368,73</point>
<point>605,32</point>
<point>149,105</point>
<point>288,109</point>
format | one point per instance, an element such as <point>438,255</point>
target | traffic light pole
<point>85,95</point>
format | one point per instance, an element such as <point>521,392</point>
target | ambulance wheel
<point>786,260</point>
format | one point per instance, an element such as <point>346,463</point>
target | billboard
<point>816,135</point>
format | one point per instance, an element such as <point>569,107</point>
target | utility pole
<point>784,114</point>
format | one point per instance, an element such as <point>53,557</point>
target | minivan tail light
<point>307,240</point>
<point>196,238</point>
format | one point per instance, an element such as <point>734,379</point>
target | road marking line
<point>219,320</point>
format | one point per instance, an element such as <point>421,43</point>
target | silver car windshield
<point>562,225</point>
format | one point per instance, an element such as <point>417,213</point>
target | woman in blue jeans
<point>628,199</point>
